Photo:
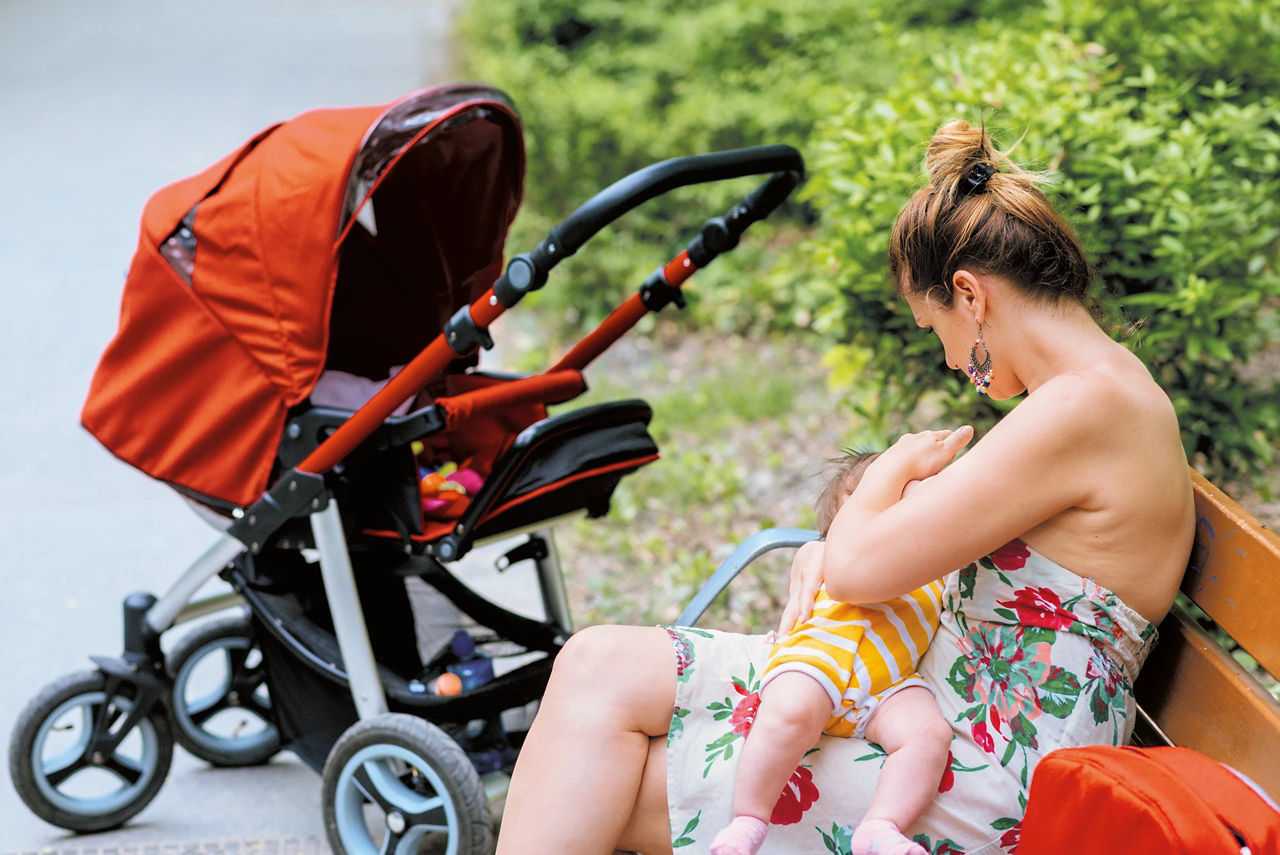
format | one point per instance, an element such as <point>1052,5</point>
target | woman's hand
<point>806,579</point>
<point>916,456</point>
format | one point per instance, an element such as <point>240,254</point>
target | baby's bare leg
<point>793,709</point>
<point>910,727</point>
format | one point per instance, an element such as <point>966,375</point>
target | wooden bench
<point>1192,692</point>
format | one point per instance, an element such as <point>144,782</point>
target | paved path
<point>102,103</point>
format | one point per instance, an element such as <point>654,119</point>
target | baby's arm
<point>800,597</point>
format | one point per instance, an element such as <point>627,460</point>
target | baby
<point>846,670</point>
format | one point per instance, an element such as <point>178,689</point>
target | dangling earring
<point>980,372</point>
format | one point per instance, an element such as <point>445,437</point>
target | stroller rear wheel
<point>398,785</point>
<point>221,709</point>
<point>72,764</point>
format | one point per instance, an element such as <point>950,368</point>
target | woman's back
<point>1131,530</point>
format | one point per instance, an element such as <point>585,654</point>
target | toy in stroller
<point>333,248</point>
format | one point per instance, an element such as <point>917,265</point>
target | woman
<point>1071,522</point>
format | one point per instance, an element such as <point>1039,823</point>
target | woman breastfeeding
<point>1060,537</point>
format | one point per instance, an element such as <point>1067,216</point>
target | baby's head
<point>848,472</point>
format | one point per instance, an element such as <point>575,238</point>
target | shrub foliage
<point>1159,118</point>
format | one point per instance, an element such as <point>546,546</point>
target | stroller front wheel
<point>221,709</point>
<point>60,767</point>
<point>397,784</point>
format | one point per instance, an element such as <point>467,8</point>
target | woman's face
<point>954,330</point>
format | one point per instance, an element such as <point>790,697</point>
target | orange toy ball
<point>448,684</point>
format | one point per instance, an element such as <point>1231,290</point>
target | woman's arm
<point>1038,461</point>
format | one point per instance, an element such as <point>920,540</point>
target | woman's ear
<point>969,293</point>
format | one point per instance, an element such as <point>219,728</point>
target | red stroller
<point>338,247</point>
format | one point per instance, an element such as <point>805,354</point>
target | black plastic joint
<point>523,275</point>
<point>657,294</point>
<point>534,548</point>
<point>718,235</point>
<point>295,494</point>
<point>141,642</point>
<point>463,335</point>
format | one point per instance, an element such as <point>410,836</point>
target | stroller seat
<point>535,467</point>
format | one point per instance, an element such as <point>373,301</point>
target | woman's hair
<point>847,472</point>
<point>1001,224</point>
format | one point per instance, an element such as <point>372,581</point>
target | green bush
<point>1172,181</point>
<point>606,87</point>
<point>1159,118</point>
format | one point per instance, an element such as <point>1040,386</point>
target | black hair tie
<point>976,180</point>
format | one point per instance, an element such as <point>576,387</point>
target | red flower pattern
<point>798,796</point>
<point>744,714</point>
<point>983,737</point>
<point>1009,840</point>
<point>948,775</point>
<point>1040,607</point>
<point>1012,556</point>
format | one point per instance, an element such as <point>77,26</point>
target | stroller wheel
<point>63,779</point>
<point>398,785</point>
<point>221,709</point>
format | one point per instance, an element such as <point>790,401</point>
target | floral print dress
<point>1029,657</point>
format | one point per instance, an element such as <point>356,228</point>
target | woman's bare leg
<point>649,828</point>
<point>577,782</point>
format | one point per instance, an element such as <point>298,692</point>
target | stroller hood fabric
<point>225,321</point>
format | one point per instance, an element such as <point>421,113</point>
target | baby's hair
<point>847,472</point>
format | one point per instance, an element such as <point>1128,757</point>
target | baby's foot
<point>743,836</point>
<point>882,837</point>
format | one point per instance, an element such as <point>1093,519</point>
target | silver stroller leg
<point>555,600</point>
<point>165,611</point>
<point>348,617</point>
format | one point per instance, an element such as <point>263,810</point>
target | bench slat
<point>1201,697</point>
<point>1234,573</point>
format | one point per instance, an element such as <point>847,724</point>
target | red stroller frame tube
<point>528,272</point>
<point>425,367</point>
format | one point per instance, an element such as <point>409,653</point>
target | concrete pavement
<point>100,105</point>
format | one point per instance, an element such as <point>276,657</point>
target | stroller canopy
<point>342,239</point>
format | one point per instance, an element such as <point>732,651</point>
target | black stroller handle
<point>528,271</point>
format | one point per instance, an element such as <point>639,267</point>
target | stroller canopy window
<point>343,238</point>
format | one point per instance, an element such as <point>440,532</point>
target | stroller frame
<point>135,685</point>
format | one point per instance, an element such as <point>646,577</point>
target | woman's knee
<point>589,654</point>
<point>630,669</point>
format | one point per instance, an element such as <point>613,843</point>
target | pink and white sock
<point>743,836</point>
<point>882,837</point>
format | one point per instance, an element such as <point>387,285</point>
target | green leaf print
<point>1023,731</point>
<point>1059,692</point>
<point>719,749</point>
<point>962,679</point>
<point>839,841</point>
<point>945,846</point>
<point>676,728</point>
<point>1038,635</point>
<point>686,836</point>
<point>877,753</point>
<point>966,581</point>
